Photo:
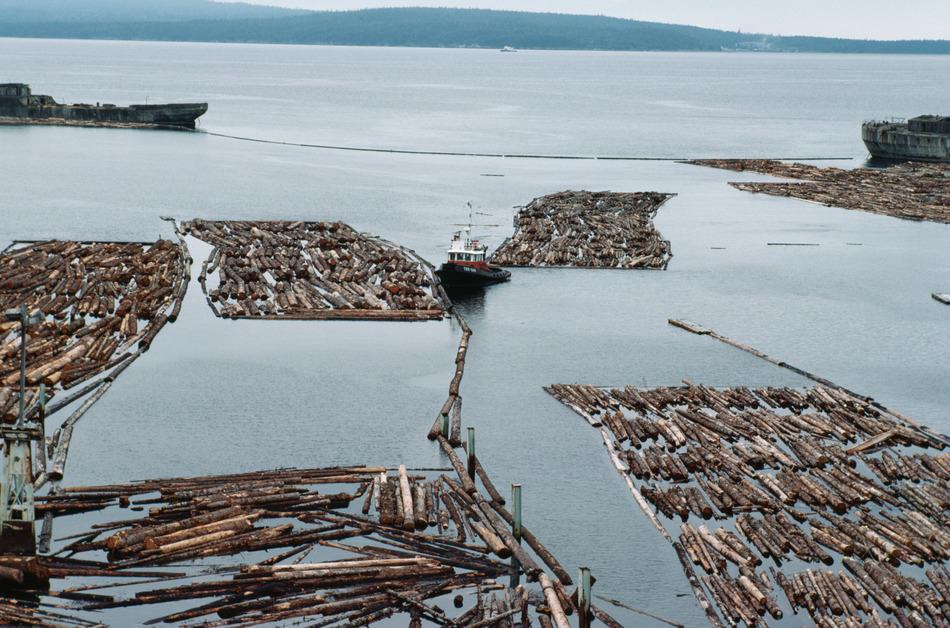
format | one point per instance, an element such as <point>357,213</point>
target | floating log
<point>554,603</point>
<point>405,493</point>
<point>57,469</point>
<point>539,549</point>
<point>460,470</point>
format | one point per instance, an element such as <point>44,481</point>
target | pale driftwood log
<point>405,492</point>
<point>554,603</point>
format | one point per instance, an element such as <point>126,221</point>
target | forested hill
<point>200,20</point>
<point>38,12</point>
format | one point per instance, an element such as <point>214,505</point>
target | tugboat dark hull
<point>460,276</point>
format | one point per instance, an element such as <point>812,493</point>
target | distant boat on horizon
<point>508,49</point>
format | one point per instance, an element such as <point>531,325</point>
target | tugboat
<point>466,267</point>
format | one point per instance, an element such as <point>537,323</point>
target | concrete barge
<point>18,105</point>
<point>924,138</point>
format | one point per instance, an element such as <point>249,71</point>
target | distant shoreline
<point>738,53</point>
<point>450,28</point>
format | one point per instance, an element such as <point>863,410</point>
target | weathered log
<point>455,430</point>
<point>553,602</point>
<point>419,514</point>
<point>487,483</point>
<point>137,536</point>
<point>460,470</point>
<point>539,549</point>
<point>405,494</point>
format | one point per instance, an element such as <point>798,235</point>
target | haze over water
<point>217,396</point>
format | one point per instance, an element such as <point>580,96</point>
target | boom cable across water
<point>398,151</point>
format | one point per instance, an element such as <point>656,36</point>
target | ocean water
<point>217,396</point>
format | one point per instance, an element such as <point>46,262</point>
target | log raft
<point>748,479</point>
<point>911,191</point>
<point>312,271</point>
<point>102,301</point>
<point>588,230</point>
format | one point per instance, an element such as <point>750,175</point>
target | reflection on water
<point>470,302</point>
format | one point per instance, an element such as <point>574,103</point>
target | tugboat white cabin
<point>467,266</point>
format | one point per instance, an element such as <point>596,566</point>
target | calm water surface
<point>215,396</point>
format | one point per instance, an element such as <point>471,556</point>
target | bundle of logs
<point>589,230</point>
<point>789,476</point>
<point>103,303</point>
<point>312,271</point>
<point>912,190</point>
<point>389,542</point>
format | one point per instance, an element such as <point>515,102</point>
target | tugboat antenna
<point>471,213</point>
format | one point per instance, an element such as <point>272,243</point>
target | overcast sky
<point>862,19</point>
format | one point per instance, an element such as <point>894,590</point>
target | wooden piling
<point>470,450</point>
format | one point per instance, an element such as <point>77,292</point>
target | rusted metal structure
<point>924,138</point>
<point>17,513</point>
<point>18,105</point>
